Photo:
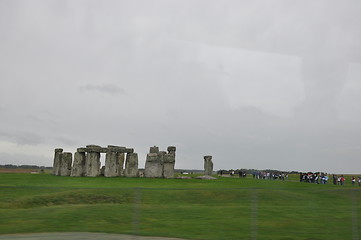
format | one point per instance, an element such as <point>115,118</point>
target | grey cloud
<point>103,88</point>
<point>256,84</point>
<point>22,137</point>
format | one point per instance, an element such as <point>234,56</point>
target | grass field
<point>227,208</point>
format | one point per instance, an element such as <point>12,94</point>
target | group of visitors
<point>314,177</point>
<point>270,175</point>
<point>322,178</point>
<point>340,180</point>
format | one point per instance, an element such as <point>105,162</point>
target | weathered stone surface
<point>94,148</point>
<point>65,164</point>
<point>171,149</point>
<point>57,159</point>
<point>129,150</point>
<point>78,169</point>
<point>120,160</point>
<point>154,149</point>
<point>81,150</point>
<point>154,165</point>
<point>168,165</point>
<point>131,165</point>
<point>208,165</point>
<point>116,148</point>
<point>206,177</point>
<point>111,164</point>
<point>92,164</point>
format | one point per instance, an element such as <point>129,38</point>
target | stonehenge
<point>159,164</point>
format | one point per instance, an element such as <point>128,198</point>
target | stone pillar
<point>92,161</point>
<point>120,159</point>
<point>57,159</point>
<point>169,162</point>
<point>131,165</point>
<point>168,165</point>
<point>111,164</point>
<point>154,163</point>
<point>208,165</point>
<point>78,169</point>
<point>65,166</point>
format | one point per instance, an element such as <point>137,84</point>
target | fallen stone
<point>206,177</point>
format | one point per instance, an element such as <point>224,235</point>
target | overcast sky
<point>256,84</point>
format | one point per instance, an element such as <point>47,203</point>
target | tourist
<point>353,180</point>
<point>342,180</point>
<point>334,177</point>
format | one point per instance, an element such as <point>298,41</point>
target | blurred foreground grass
<point>227,208</point>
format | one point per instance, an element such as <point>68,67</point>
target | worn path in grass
<point>78,236</point>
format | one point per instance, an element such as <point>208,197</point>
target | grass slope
<point>227,208</point>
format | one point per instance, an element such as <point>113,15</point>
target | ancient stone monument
<point>208,165</point>
<point>87,162</point>
<point>160,164</point>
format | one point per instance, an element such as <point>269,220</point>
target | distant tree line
<point>11,166</point>
<point>251,171</point>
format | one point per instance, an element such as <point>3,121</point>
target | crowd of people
<point>322,178</point>
<point>310,177</point>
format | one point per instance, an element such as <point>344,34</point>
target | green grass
<point>227,208</point>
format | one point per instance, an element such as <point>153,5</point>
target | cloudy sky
<point>256,84</point>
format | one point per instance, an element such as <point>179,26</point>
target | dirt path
<point>78,236</point>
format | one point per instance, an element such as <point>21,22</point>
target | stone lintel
<point>129,150</point>
<point>58,150</point>
<point>93,146</point>
<point>154,149</point>
<point>112,148</point>
<point>81,150</point>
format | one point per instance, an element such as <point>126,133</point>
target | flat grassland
<point>227,208</point>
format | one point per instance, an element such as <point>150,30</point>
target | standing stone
<point>168,165</point>
<point>92,161</point>
<point>111,164</point>
<point>208,165</point>
<point>120,160</point>
<point>65,164</point>
<point>154,164</point>
<point>78,169</point>
<point>131,165</point>
<point>57,159</point>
